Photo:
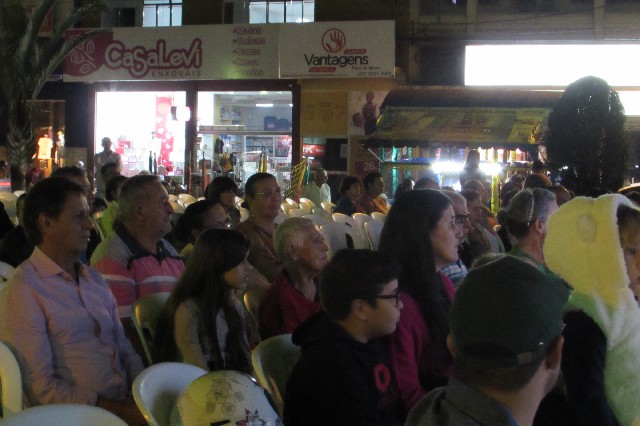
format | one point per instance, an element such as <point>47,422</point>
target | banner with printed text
<point>338,49</point>
<point>216,52</point>
<point>232,52</point>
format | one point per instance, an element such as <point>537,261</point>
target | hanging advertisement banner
<point>338,49</point>
<point>215,52</point>
<point>233,52</point>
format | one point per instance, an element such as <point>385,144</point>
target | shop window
<point>261,12</point>
<point>162,13</point>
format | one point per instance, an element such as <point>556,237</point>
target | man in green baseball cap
<point>506,340</point>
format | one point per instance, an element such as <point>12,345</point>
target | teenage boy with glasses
<point>343,376</point>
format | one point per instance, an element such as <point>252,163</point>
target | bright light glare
<point>551,65</point>
<point>631,102</point>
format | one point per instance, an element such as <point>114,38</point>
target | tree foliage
<point>586,144</point>
<point>27,61</point>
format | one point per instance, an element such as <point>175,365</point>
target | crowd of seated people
<point>444,324</point>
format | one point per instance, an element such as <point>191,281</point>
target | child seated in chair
<point>204,322</point>
<point>343,376</point>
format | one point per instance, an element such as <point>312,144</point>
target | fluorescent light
<point>264,105</point>
<point>509,65</point>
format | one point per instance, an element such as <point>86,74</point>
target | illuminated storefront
<point>199,101</point>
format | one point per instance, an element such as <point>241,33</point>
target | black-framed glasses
<point>461,218</point>
<point>270,193</point>
<point>395,296</point>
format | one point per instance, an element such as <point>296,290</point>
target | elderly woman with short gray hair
<point>293,296</point>
<point>527,215</point>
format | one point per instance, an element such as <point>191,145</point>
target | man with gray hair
<point>136,260</point>
<point>456,271</point>
<point>317,190</point>
<point>293,296</point>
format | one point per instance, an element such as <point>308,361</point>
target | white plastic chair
<point>378,216</point>
<point>273,361</point>
<point>145,313</point>
<point>6,271</point>
<point>10,382</point>
<point>318,220</point>
<point>244,214</point>
<point>177,207</point>
<point>334,235</point>
<point>296,212</point>
<point>64,415</point>
<point>306,205</point>
<point>361,218</point>
<point>285,207</point>
<point>374,229</point>
<point>187,197</point>
<point>292,203</point>
<point>358,235</point>
<point>156,389</point>
<point>239,201</point>
<point>328,206</point>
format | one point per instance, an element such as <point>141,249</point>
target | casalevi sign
<point>219,52</point>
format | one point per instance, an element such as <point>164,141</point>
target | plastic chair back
<point>292,203</point>
<point>361,218</point>
<point>334,235</point>
<point>374,229</point>
<point>306,205</point>
<point>224,397</point>
<point>273,361</point>
<point>64,415</point>
<point>328,206</point>
<point>318,220</point>
<point>296,212</point>
<point>6,271</point>
<point>358,235</point>
<point>10,382</point>
<point>378,216</point>
<point>156,389</point>
<point>146,312</point>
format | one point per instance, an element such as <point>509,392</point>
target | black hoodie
<point>338,380</point>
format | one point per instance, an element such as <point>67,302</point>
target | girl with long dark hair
<point>204,320</point>
<point>420,232</point>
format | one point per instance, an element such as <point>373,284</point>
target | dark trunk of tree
<point>21,144</point>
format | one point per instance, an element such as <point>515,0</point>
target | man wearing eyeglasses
<point>343,375</point>
<point>506,340</point>
<point>456,271</point>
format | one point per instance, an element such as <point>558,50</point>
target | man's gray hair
<point>133,194</point>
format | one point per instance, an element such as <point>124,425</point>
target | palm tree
<point>586,143</point>
<point>26,63</point>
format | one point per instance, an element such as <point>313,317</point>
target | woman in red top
<point>420,232</point>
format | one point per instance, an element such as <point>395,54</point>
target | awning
<point>462,117</point>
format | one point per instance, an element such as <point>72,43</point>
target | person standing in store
<point>317,190</point>
<point>102,158</point>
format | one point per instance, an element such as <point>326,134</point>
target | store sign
<point>338,49</point>
<point>313,150</point>
<point>180,53</point>
<point>228,52</point>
